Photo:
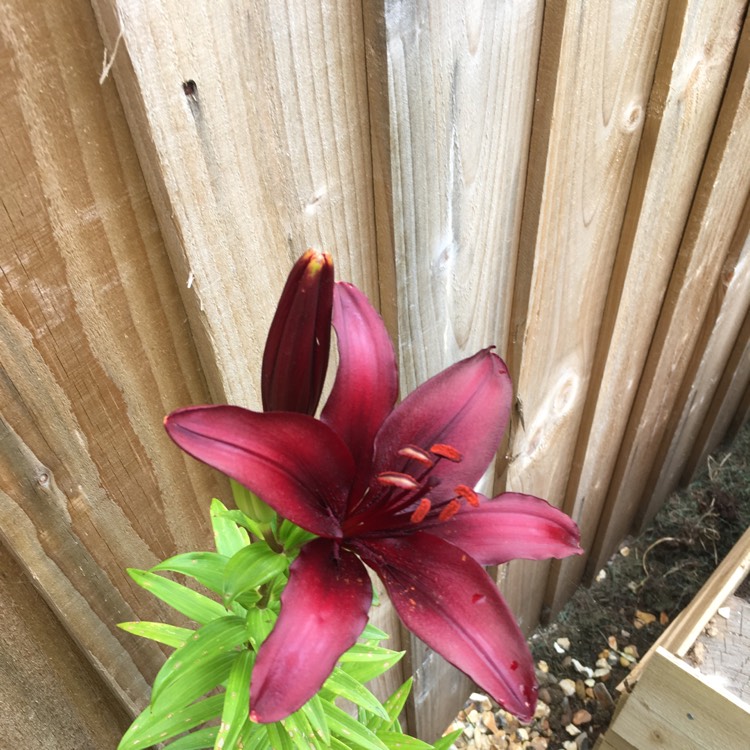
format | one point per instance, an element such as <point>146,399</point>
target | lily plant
<point>378,484</point>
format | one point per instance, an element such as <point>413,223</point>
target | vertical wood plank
<point>690,79</point>
<point>730,394</point>
<point>53,699</point>
<point>717,207</point>
<point>596,68</point>
<point>269,154</point>
<point>460,79</point>
<point>724,320</point>
<point>93,344</point>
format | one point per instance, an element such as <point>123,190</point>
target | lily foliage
<point>243,582</point>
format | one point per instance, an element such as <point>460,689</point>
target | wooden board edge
<point>685,628</point>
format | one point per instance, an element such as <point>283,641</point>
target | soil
<point>602,632</point>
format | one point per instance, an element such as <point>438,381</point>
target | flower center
<point>409,492</point>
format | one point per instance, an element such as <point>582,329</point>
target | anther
<point>446,451</point>
<point>396,479</point>
<point>421,510</point>
<point>413,452</point>
<point>467,494</point>
<point>449,510</point>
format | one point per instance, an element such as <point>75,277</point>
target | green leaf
<point>278,737</point>
<point>447,740</point>
<point>292,536</point>
<point>160,632</point>
<point>349,729</point>
<point>251,567</point>
<point>301,732</point>
<point>150,728</point>
<point>252,737</point>
<point>200,740</point>
<point>229,538</point>
<point>343,685</point>
<point>313,711</point>
<point>238,517</point>
<point>251,505</point>
<point>192,604</point>
<point>367,653</point>
<point>236,701</point>
<point>364,671</point>
<point>206,567</point>
<point>260,623</point>
<point>398,741</point>
<point>371,633</point>
<point>200,665</point>
<point>393,706</point>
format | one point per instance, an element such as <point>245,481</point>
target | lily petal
<point>465,407</point>
<point>508,527</point>
<point>295,359</point>
<point>366,384</point>
<point>448,600</point>
<point>294,463</point>
<point>323,610</point>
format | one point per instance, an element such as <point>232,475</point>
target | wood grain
<point>727,310</point>
<point>269,154</point>
<point>689,83</point>
<point>461,91</point>
<point>575,200</point>
<point>52,698</point>
<point>731,392</point>
<point>673,708</point>
<point>94,347</point>
<point>460,80</point>
<point>716,210</point>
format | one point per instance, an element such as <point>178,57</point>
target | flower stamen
<point>417,454</point>
<point>397,479</point>
<point>421,510</point>
<point>449,510</point>
<point>446,451</point>
<point>467,494</point>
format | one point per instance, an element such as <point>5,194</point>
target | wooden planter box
<point>671,704</point>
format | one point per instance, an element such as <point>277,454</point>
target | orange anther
<point>467,494</point>
<point>449,510</point>
<point>421,510</point>
<point>446,451</point>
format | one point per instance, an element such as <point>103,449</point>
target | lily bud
<point>295,359</point>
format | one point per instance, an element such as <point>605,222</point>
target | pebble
<point>574,706</point>
<point>568,686</point>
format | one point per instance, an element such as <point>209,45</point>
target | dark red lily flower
<point>295,359</point>
<point>390,487</point>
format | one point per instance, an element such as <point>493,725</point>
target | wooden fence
<point>567,180</point>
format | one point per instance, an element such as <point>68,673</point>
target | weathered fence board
<point>698,73</point>
<point>597,86</point>
<point>730,395</point>
<point>727,310</point>
<point>93,344</point>
<point>690,80</point>
<point>461,79</point>
<point>52,698</point>
<point>717,208</point>
<point>267,153</point>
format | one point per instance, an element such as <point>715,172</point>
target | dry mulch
<point>604,630</point>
